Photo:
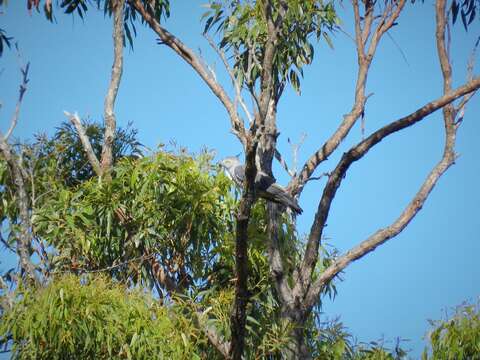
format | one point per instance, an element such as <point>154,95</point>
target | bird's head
<point>230,162</point>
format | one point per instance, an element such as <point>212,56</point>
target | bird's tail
<point>281,196</point>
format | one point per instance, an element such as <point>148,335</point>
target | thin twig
<point>312,178</point>
<point>295,149</point>
<point>236,84</point>
<point>282,162</point>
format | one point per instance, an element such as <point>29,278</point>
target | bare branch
<point>353,155</point>
<point>460,108</point>
<point>320,177</point>
<point>267,77</point>
<point>369,17</point>
<point>186,54</point>
<point>364,60</point>
<point>19,178</point>
<point>295,149</point>
<point>87,146</point>
<point>381,236</point>
<point>442,49</point>
<point>448,159</point>
<point>358,30</point>
<point>21,93</point>
<point>117,69</point>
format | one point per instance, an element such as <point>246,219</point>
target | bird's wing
<point>277,193</point>
<point>239,174</point>
<point>263,181</point>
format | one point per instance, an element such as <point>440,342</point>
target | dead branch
<point>355,154</point>
<point>295,149</point>
<point>87,146</point>
<point>381,236</point>
<point>19,174</point>
<point>213,336</point>
<point>237,86</point>
<point>21,93</point>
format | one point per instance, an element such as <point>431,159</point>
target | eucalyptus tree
<point>264,45</point>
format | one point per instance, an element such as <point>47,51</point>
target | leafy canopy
<point>242,25</point>
<point>93,318</point>
<point>457,337</point>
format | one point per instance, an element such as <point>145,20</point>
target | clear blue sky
<point>392,292</point>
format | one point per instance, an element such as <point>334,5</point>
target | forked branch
<point>236,84</point>
<point>357,152</point>
<point>364,58</point>
<point>103,166</point>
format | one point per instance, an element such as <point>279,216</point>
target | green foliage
<point>66,150</point>
<point>167,214</point>
<point>268,334</point>
<point>159,9</point>
<point>457,337</point>
<point>375,351</point>
<point>57,163</point>
<point>330,340</point>
<point>95,319</point>
<point>467,10</point>
<point>4,41</point>
<point>243,29</point>
<point>164,206</point>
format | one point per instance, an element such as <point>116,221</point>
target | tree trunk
<point>298,349</point>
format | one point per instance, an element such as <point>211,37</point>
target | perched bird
<point>265,185</point>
